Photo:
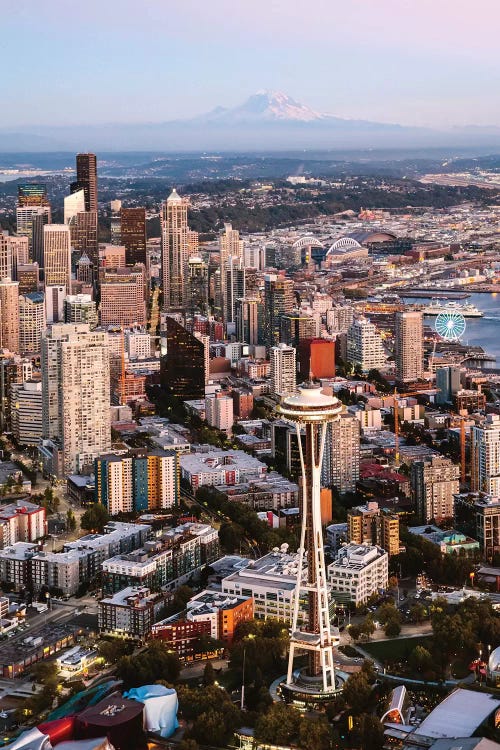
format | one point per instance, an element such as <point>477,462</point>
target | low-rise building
<point>220,467</point>
<point>15,564</point>
<point>358,572</point>
<point>130,613</point>
<point>449,541</point>
<point>273,492</point>
<point>21,522</point>
<point>223,612</point>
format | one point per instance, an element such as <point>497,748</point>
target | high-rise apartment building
<point>57,255</point>
<point>146,481</point>
<point>369,524</point>
<point>278,300</point>
<point>364,345</point>
<point>485,456</point>
<point>297,327</point>
<point>434,482</point>
<point>122,296</point>
<point>86,179</point>
<point>32,322</point>
<point>409,352</point>
<point>342,454</point>
<point>487,520</point>
<point>6,257</point>
<point>283,370</point>
<point>183,366</point>
<point>448,384</point>
<point>133,235</point>
<point>339,319</point>
<point>219,411</point>
<point>175,251</point>
<point>76,393</point>
<point>9,315</point>
<point>247,320</point>
<point>26,412</point>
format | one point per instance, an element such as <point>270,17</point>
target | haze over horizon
<point>420,65</point>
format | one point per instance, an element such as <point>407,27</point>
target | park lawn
<point>395,649</point>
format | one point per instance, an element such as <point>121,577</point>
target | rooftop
<point>458,715</point>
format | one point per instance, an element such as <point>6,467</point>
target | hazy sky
<point>423,62</point>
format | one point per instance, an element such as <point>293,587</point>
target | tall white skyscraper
<point>342,454</point>
<point>283,370</point>
<point>76,393</point>
<point>409,342</point>
<point>175,251</point>
<point>57,255</point>
<point>32,322</point>
<point>485,456</point>
<point>364,345</point>
<point>73,205</point>
<point>230,245</point>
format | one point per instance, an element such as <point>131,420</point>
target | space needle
<point>311,410</point>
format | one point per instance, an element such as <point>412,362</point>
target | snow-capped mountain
<point>264,106</point>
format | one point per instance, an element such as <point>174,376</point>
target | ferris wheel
<point>450,325</point>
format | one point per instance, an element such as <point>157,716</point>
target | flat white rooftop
<point>459,715</point>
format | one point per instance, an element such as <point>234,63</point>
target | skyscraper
<point>297,327</point>
<point>283,370</point>
<point>485,456</point>
<point>86,178</point>
<point>57,255</point>
<point>133,235</point>
<point>32,194</point>
<point>183,366</point>
<point>122,296</point>
<point>76,393</point>
<point>247,320</point>
<point>434,482</point>
<point>233,288</point>
<point>409,354</point>
<point>197,297</point>
<point>278,300</point>
<point>84,236</point>
<point>74,204</point>
<point>230,246</point>
<point>9,315</point>
<point>6,257</point>
<point>364,345</point>
<point>30,222</point>
<point>174,251</point>
<point>342,454</point>
<point>32,322</point>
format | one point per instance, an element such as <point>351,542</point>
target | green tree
<point>371,732</point>
<point>279,726</point>
<point>208,675</point>
<point>113,650</point>
<point>386,612</point>
<point>420,660</point>
<point>418,613</point>
<point>315,734</point>
<point>392,628</point>
<point>154,663</point>
<point>367,627</point>
<point>95,518</point>
<point>357,692</point>
<point>70,520</point>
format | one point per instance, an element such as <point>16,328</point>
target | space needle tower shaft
<point>311,411</point>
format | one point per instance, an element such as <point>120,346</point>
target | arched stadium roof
<point>364,236</point>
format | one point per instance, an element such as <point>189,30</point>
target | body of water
<point>484,331</point>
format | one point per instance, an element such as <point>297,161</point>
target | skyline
<point>393,63</point>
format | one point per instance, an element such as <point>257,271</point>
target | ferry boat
<point>437,307</point>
